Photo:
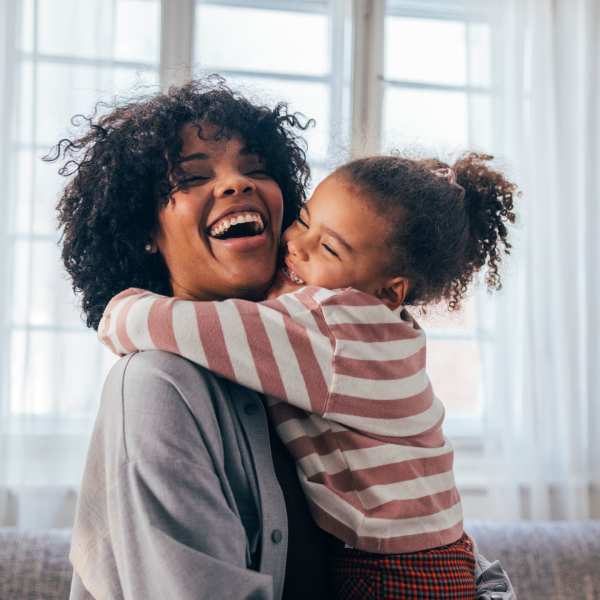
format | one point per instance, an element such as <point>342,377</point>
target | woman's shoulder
<point>153,397</point>
<point>156,373</point>
<point>153,364</point>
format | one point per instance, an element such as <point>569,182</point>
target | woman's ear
<point>393,292</point>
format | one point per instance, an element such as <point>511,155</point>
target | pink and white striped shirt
<point>347,391</point>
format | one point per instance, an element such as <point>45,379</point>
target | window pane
<point>410,55</point>
<point>435,120</point>
<point>35,211</point>
<point>38,265</point>
<point>122,29</point>
<point>21,191</point>
<point>26,17</point>
<point>311,99</point>
<point>24,106</point>
<point>454,367</point>
<point>261,40</point>
<point>50,372</point>
<point>72,27</point>
<point>479,54</point>
<point>480,121</point>
<point>73,89</point>
<point>137,31</point>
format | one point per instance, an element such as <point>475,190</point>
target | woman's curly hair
<point>442,231</point>
<point>122,177</point>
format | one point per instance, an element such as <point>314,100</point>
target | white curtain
<point>57,58</point>
<point>542,413</point>
<point>542,418</point>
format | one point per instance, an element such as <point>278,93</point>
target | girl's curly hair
<point>122,177</point>
<point>442,231</point>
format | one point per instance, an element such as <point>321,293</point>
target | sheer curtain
<point>542,419</point>
<point>541,413</point>
<point>59,57</point>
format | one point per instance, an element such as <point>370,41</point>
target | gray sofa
<point>546,561</point>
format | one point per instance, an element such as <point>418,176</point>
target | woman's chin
<point>253,282</point>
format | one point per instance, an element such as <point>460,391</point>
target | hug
<point>270,430</point>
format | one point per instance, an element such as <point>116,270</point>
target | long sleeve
<point>280,347</point>
<point>338,354</point>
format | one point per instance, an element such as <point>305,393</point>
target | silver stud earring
<point>149,248</point>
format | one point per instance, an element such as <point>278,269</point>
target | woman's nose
<point>234,185</point>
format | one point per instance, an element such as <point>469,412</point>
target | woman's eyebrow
<point>204,156</point>
<point>251,153</point>
<point>195,156</point>
<point>332,233</point>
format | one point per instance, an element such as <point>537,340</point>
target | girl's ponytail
<point>488,202</point>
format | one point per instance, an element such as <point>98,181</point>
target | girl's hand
<point>281,285</point>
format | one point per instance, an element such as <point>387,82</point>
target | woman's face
<point>219,235</point>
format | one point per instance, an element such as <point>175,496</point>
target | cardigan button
<point>276,536</point>
<point>251,408</point>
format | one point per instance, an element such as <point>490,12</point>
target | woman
<point>186,494</point>
<point>182,492</point>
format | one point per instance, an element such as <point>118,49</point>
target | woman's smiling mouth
<point>238,224</point>
<point>240,228</point>
<point>243,229</point>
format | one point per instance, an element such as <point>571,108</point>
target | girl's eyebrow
<point>332,233</point>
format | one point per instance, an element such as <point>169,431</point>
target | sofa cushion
<point>545,560</point>
<point>34,565</point>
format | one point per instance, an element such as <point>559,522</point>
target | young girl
<point>343,362</point>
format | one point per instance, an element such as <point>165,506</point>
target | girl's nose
<point>234,185</point>
<point>296,249</point>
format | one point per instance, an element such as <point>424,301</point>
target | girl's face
<point>219,235</point>
<point>339,241</point>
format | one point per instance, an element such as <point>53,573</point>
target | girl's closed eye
<point>331,251</point>
<point>302,221</point>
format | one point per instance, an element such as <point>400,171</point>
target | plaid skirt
<point>444,573</point>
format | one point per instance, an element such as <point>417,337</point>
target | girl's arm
<point>339,354</point>
<point>281,347</point>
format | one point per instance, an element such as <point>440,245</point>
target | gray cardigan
<point>179,489</point>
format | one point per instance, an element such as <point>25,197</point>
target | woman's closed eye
<point>193,178</point>
<point>258,173</point>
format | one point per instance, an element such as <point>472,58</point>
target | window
<point>291,51</point>
<point>440,101</point>
<point>335,65</point>
<point>68,55</point>
<point>440,104</point>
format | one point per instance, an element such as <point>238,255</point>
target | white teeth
<point>293,276</point>
<point>247,217</point>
